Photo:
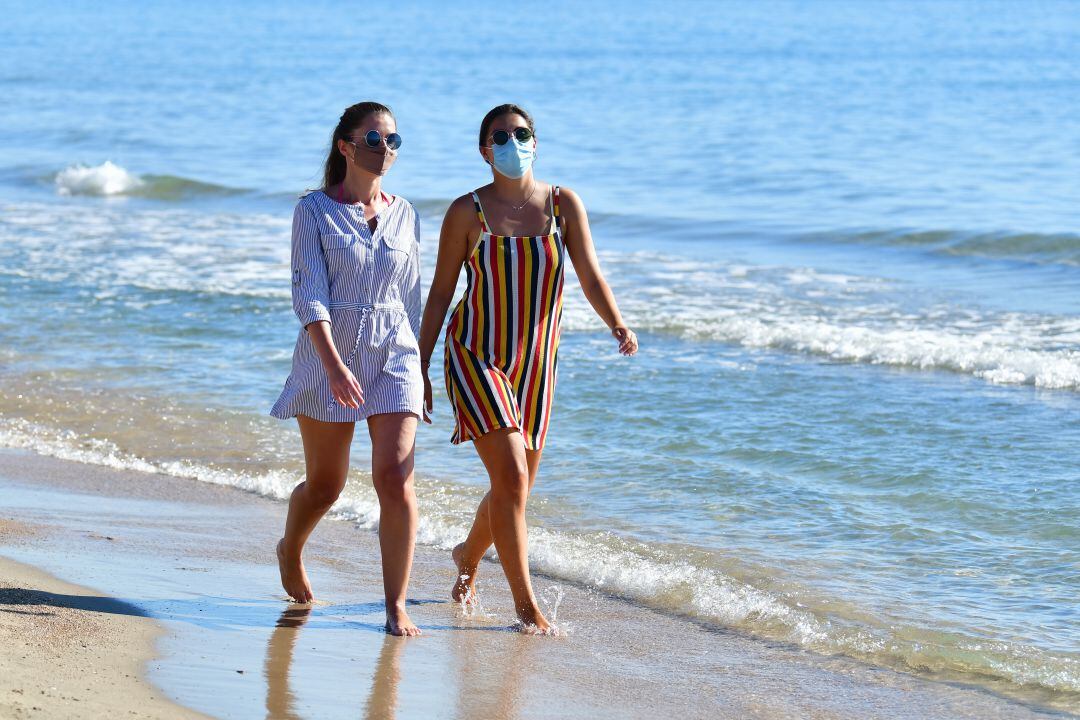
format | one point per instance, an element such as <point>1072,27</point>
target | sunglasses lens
<point>393,141</point>
<point>523,134</point>
<point>373,139</point>
<point>500,137</point>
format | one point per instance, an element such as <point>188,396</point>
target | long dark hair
<point>497,112</point>
<point>352,118</point>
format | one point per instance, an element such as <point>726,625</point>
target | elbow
<point>438,299</point>
<point>311,311</point>
<point>593,287</point>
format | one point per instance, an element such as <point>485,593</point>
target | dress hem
<point>458,437</point>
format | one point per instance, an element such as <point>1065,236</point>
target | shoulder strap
<point>480,213</point>
<point>556,217</point>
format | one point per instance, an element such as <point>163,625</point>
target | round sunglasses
<point>374,139</point>
<point>521,134</point>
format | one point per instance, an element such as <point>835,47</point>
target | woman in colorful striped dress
<point>502,340</point>
<point>356,292</point>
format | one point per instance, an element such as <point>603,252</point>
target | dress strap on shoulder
<point>556,217</point>
<point>480,213</point>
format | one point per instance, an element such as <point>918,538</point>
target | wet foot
<point>293,576</point>
<point>532,622</point>
<point>398,622</point>
<point>465,586</point>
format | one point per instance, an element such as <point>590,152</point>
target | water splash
<point>104,179</point>
<point>552,597</point>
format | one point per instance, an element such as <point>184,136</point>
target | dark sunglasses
<point>501,137</point>
<point>374,139</point>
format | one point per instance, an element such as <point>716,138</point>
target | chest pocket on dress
<point>348,261</point>
<point>396,249</point>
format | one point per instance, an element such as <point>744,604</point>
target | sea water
<point>846,233</point>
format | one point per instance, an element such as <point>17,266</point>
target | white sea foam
<point>104,179</point>
<point>159,249</point>
<point>984,355</point>
<point>845,318</point>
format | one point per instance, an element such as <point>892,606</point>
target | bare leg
<point>326,456</point>
<point>392,444</point>
<point>467,555</point>
<point>503,454</point>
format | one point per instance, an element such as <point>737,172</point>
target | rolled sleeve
<point>310,286</point>
<point>412,284</point>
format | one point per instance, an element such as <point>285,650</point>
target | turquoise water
<point>846,233</point>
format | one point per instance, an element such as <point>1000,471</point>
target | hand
<point>427,398</point>
<point>344,387</point>
<point>628,344</point>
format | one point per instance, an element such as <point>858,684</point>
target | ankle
<point>467,564</point>
<point>528,607</point>
<point>289,551</point>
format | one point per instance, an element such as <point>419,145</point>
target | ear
<point>342,147</point>
<point>485,153</point>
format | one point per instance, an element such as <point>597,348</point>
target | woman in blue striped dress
<point>356,291</point>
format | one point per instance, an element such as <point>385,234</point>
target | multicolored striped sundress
<point>502,342</point>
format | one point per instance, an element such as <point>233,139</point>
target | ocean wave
<point>989,356</point>
<point>842,317</point>
<point>1061,248</point>
<point>839,316</point>
<point>109,179</point>
<point>674,582</point>
<point>104,179</point>
<point>169,249</point>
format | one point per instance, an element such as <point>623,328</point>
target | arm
<point>411,291</point>
<point>453,246</point>
<point>311,296</point>
<point>579,245</point>
<point>311,286</point>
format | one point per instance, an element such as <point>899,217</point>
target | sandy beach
<point>71,653</point>
<point>185,590</point>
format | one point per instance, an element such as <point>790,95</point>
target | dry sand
<point>68,652</point>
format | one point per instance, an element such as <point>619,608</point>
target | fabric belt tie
<point>365,310</point>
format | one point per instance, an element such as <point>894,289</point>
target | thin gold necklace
<point>527,198</point>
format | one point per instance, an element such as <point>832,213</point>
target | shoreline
<point>197,558</point>
<point>71,652</point>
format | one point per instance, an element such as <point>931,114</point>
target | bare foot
<point>293,576</point>
<point>532,622</point>
<point>398,622</point>
<point>465,586</point>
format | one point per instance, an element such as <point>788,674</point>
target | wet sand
<point>198,559</point>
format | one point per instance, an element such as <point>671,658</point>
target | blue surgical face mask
<point>513,158</point>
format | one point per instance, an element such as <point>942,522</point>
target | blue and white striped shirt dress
<point>367,284</point>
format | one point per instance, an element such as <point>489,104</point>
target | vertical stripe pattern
<point>366,284</point>
<point>502,341</point>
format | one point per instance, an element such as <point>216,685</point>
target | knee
<point>393,484</point>
<point>511,489</point>
<point>324,491</point>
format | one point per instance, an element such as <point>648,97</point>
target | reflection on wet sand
<point>491,664</point>
<point>491,675</point>
<point>280,701</point>
<point>383,698</point>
